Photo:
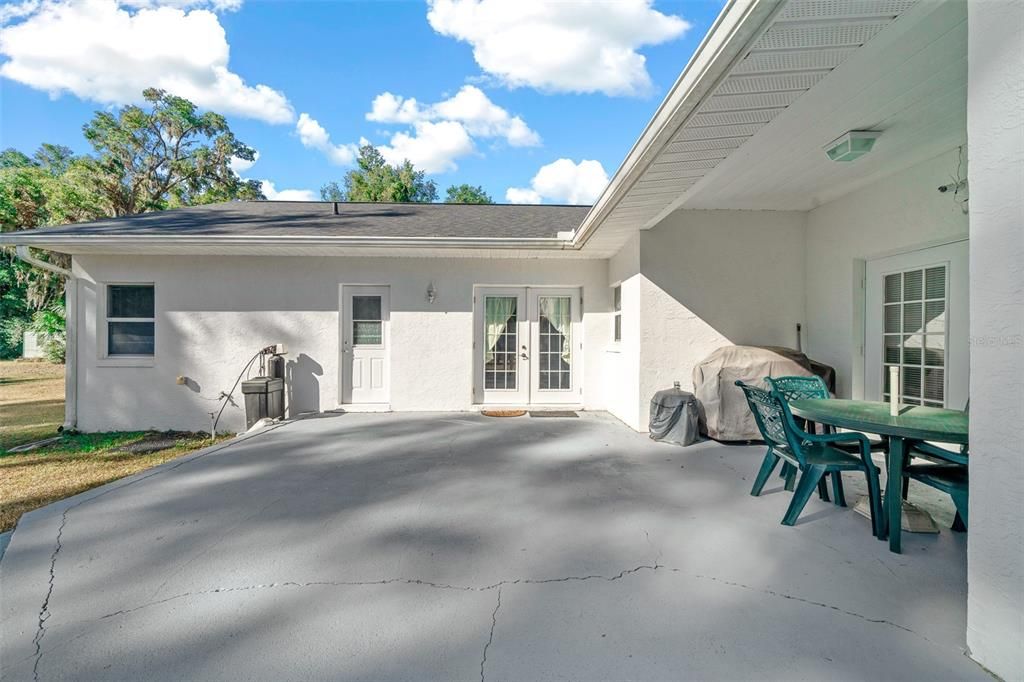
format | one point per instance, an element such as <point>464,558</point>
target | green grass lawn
<point>32,408</point>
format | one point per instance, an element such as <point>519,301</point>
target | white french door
<point>527,345</point>
<point>365,339</point>
<point>917,320</point>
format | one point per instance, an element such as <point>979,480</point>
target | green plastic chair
<point>944,470</point>
<point>814,388</point>
<point>815,455</point>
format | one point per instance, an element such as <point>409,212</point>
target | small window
<point>617,307</point>
<point>367,321</point>
<point>130,319</point>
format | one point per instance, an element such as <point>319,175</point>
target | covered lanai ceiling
<point>745,125</point>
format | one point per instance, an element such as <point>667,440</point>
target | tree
<point>467,194</point>
<point>12,158</point>
<point>332,191</point>
<point>167,157</point>
<point>375,180</point>
<point>55,159</point>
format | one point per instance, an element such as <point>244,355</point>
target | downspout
<point>70,330</point>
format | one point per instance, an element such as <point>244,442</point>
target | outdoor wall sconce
<point>431,293</point>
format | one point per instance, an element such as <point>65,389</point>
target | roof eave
<point>73,243</point>
<point>738,24</point>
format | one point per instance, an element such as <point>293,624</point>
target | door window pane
<point>367,333</point>
<point>916,305</point>
<point>555,340</point>
<point>366,308</point>
<point>501,342</point>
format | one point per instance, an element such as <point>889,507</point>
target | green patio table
<point>913,423</point>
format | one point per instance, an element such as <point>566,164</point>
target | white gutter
<point>70,333</point>
<point>26,255</point>
<point>56,241</point>
<point>738,24</point>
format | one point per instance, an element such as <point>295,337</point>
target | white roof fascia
<point>726,43</point>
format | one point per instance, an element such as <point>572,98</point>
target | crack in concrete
<point>44,610</point>
<point>490,638</point>
<point>783,595</point>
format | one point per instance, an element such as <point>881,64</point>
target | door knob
<point>524,356</point>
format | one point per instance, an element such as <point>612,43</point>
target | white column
<point>995,133</point>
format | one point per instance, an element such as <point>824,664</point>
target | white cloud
<point>519,195</point>
<point>563,181</point>
<point>580,46</point>
<point>216,5</point>
<point>388,108</point>
<point>470,106</point>
<point>432,148</point>
<point>313,136</point>
<point>274,194</point>
<point>100,51</point>
<point>241,165</point>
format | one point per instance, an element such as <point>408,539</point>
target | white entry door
<point>917,320</point>
<point>527,343</point>
<point>364,343</point>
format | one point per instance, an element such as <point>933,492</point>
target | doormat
<point>503,413</point>
<point>553,413</point>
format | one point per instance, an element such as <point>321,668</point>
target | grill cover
<point>725,414</point>
<point>674,417</point>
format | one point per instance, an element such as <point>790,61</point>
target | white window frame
<point>103,330</point>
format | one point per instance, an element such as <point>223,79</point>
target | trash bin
<point>264,397</point>
<point>675,416</point>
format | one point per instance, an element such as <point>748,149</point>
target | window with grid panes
<point>914,334</point>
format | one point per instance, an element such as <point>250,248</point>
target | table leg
<point>894,492</point>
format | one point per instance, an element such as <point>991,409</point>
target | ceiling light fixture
<point>851,145</point>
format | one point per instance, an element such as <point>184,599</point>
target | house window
<point>617,308</point>
<point>130,319</point>
<point>914,334</point>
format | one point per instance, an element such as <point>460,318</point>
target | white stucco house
<point>727,223</point>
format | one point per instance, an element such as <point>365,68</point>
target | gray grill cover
<point>724,411</point>
<point>674,417</point>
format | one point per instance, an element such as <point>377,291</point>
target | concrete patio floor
<point>415,546</point>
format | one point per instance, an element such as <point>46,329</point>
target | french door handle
<point>524,356</point>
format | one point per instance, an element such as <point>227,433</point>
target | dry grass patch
<point>31,401</point>
<point>31,409</point>
<point>82,461</point>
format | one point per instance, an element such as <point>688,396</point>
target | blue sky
<point>537,82</point>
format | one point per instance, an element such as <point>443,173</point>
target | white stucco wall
<point>995,128</point>
<point>213,313</point>
<point>900,211</point>
<point>706,279</point>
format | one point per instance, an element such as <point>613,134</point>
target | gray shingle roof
<point>318,218</point>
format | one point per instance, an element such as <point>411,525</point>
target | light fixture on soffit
<point>851,145</point>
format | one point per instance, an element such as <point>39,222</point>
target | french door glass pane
<point>914,334</point>
<point>555,339</point>
<point>501,342</point>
